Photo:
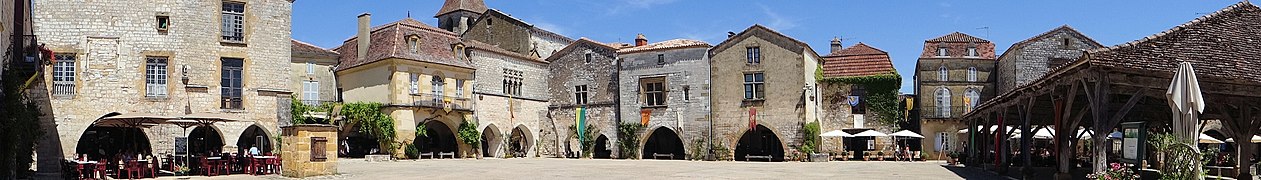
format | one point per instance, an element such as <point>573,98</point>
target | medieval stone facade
<point>313,81</point>
<point>164,58</point>
<point>845,105</point>
<point>512,34</point>
<point>1028,60</point>
<point>952,76</point>
<point>761,80</point>
<point>666,84</point>
<point>585,75</point>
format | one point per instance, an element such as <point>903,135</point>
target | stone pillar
<point>300,150</point>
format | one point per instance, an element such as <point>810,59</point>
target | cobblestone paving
<point>637,169</point>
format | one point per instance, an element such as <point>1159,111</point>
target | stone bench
<point>446,154</point>
<point>751,157</point>
<point>658,156</point>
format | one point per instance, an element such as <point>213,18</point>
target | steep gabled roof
<point>533,29</point>
<point>1064,28</point>
<point>666,45</point>
<point>307,49</point>
<point>476,6</point>
<point>768,34</point>
<point>958,37</point>
<point>857,60</point>
<point>579,43</point>
<point>390,41</point>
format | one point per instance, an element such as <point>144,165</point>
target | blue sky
<point>898,27</point>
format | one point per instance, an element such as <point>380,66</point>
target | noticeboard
<point>1133,142</point>
<point>181,145</point>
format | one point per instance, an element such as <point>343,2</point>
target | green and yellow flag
<point>580,122</point>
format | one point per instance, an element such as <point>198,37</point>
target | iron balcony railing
<point>938,112</point>
<point>440,101</point>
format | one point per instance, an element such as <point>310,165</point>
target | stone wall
<point>298,145</point>
<point>569,69</point>
<point>527,111</point>
<point>1033,59</point>
<point>957,82</point>
<point>783,111</point>
<point>686,73</point>
<point>111,39</point>
<point>322,74</point>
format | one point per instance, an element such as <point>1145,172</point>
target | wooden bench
<point>658,156</point>
<point>430,154</point>
<point>751,157</point>
<point>446,154</point>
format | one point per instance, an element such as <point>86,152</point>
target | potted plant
<point>953,158</point>
<point>845,155</point>
<point>880,156</point>
<point>866,156</point>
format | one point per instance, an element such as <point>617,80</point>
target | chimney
<point>364,37</point>
<point>836,45</point>
<point>640,40</point>
<point>731,34</point>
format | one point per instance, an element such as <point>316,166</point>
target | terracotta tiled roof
<point>665,45</point>
<point>574,46</point>
<point>958,37</point>
<point>450,6</point>
<point>304,48</point>
<point>857,60</point>
<point>390,41</point>
<point>1219,45</point>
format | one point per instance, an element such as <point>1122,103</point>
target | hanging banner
<point>752,118</point>
<point>853,100</point>
<point>580,119</point>
<point>644,115</point>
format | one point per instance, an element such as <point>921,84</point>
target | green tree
<point>372,122</point>
<point>19,125</point>
<point>810,140</point>
<point>469,135</point>
<point>628,140</point>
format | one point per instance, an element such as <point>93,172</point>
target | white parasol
<point>870,133</point>
<point>1255,139</point>
<point>906,133</point>
<point>836,133</point>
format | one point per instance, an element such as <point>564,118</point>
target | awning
<point>132,120</point>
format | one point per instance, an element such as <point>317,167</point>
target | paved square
<point>637,169</point>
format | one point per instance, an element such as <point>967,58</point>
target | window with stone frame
<point>459,88</point>
<point>661,59</point>
<point>155,77</point>
<point>1066,43</point>
<point>943,74</point>
<point>438,82</point>
<point>413,84</point>
<point>653,91</point>
<point>231,83</point>
<point>512,82</point>
<point>233,25</point>
<point>64,74</point>
<point>413,44</point>
<point>163,21</point>
<point>972,52</point>
<point>971,74</point>
<point>942,52</point>
<point>311,93</point>
<point>588,57</point>
<point>753,55</point>
<point>319,152</point>
<point>943,102</point>
<point>973,97</point>
<point>580,94</point>
<point>310,67</point>
<point>754,86</point>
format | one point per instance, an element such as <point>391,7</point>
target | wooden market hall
<point>1109,86</point>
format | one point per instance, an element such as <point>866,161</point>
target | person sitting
<point>254,151</point>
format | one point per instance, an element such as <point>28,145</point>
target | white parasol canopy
<point>836,133</point>
<point>1255,139</point>
<point>906,133</point>
<point>132,120</point>
<point>210,118</point>
<point>870,133</point>
<point>1205,139</point>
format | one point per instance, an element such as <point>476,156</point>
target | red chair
<point>131,168</point>
<point>224,167</point>
<point>206,167</point>
<point>153,166</point>
<point>99,172</point>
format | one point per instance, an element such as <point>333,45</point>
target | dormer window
<point>941,52</point>
<point>972,52</point>
<point>413,44</point>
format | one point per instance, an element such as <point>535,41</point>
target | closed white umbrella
<point>836,133</point>
<point>1186,102</point>
<point>906,133</point>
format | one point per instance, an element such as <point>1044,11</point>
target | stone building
<point>512,34</point>
<point>15,52</point>
<point>762,82</point>
<point>952,76</point>
<point>1028,60</point>
<point>458,15</point>
<point>585,75</point>
<point>166,58</point>
<point>845,105</point>
<point>666,85</point>
<point>411,68</point>
<point>313,81</point>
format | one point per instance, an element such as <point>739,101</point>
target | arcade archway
<point>602,150</point>
<point>759,142</point>
<point>440,139</point>
<point>205,140</point>
<point>519,142</point>
<point>254,137</point>
<point>490,141</point>
<point>663,143</point>
<point>99,142</point>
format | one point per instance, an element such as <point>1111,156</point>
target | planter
<point>820,157</point>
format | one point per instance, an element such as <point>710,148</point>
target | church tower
<point>457,15</point>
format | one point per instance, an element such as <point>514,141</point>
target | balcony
<point>936,112</point>
<point>31,51</point>
<point>441,102</point>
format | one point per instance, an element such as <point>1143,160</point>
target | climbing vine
<point>372,122</point>
<point>587,142</point>
<point>882,94</point>
<point>628,140</point>
<point>469,135</point>
<point>299,110</point>
<point>810,132</point>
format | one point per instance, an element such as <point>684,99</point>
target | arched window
<point>972,74</point>
<point>973,98</point>
<point>943,102</point>
<point>437,87</point>
<point>942,74</point>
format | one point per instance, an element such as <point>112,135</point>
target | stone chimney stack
<point>640,40</point>
<point>364,37</point>
<point>836,45</point>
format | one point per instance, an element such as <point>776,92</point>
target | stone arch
<point>440,138</point>
<point>664,141</point>
<point>761,141</point>
<point>205,140</point>
<point>602,150</point>
<point>104,142</point>
<point>520,141</point>
<point>492,141</point>
<point>255,136</point>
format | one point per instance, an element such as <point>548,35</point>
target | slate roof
<point>666,45</point>
<point>958,37</point>
<point>303,48</point>
<point>390,41</point>
<point>477,6</point>
<point>1221,45</point>
<point>857,60</point>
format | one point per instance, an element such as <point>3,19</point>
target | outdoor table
<point>83,165</point>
